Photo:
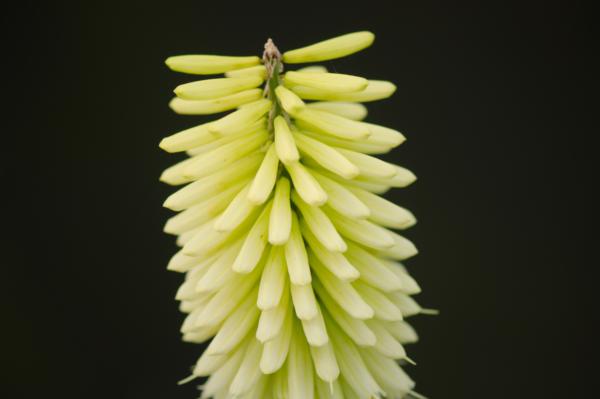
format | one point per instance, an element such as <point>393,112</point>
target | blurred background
<point>492,97</point>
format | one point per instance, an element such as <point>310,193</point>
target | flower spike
<point>291,262</point>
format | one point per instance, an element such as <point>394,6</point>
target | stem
<point>274,66</point>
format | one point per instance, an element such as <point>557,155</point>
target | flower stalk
<point>272,62</point>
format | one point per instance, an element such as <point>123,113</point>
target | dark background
<point>493,97</point>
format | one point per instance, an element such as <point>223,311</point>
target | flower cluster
<point>292,270</point>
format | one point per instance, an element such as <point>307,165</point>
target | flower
<point>291,268</point>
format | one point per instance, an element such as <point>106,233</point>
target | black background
<point>491,95</point>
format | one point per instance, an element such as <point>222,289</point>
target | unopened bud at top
<point>337,47</point>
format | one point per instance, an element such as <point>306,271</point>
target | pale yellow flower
<point>291,270</point>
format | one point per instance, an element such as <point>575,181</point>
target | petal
<point>343,293</point>
<point>384,135</point>
<point>272,282</point>
<point>257,70</point>
<point>378,188</point>
<point>276,350</point>
<point>361,231</point>
<point>402,331</point>
<point>352,367</point>
<point>400,250</point>
<point>263,182</point>
<point>312,68</point>
<point>335,82</point>
<point>208,163</point>
<point>306,185</point>
<point>354,111</point>
<point>356,329</point>
<point>227,299</point>
<point>304,301</point>
<point>384,212</point>
<point>373,271</point>
<point>220,272</point>
<point>280,222</point>
<point>325,362</point>
<point>284,142</point>
<point>336,47</point>
<point>369,166</point>
<point>290,102</point>
<point>202,212</point>
<point>239,119</point>
<point>387,373</point>
<point>236,212</point>
<point>326,156</point>
<point>299,368</point>
<point>209,64</point>
<point>384,308</point>
<point>248,374</point>
<point>236,327</point>
<point>407,305</point>
<point>187,139</point>
<point>182,263</point>
<point>295,255</point>
<point>254,127</point>
<point>221,379</point>
<point>335,262</point>
<point>315,330</point>
<point>271,320</point>
<point>216,105</point>
<point>375,90</point>
<point>332,124</point>
<point>215,88</point>
<point>402,178</point>
<point>208,240</point>
<point>328,390</point>
<point>341,199</point>
<point>320,225</point>
<point>204,188</point>
<point>366,146</point>
<point>254,244</point>
<point>208,364</point>
<point>409,285</point>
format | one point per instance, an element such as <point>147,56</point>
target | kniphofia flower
<point>292,268</point>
